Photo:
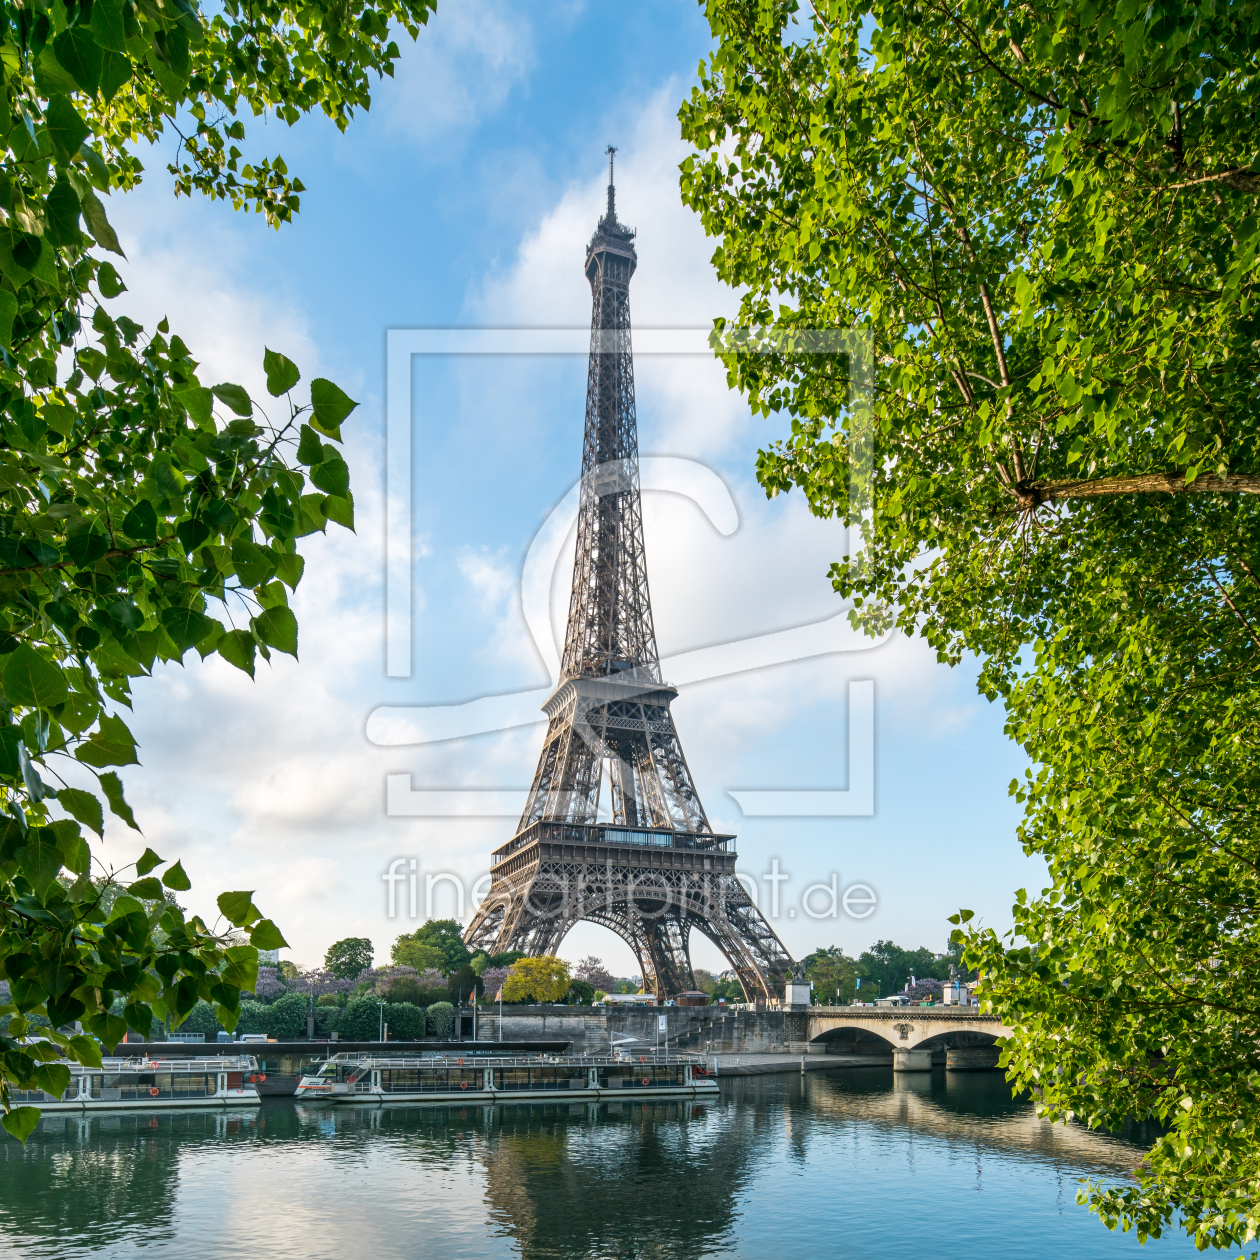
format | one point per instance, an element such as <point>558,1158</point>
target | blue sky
<point>465,197</point>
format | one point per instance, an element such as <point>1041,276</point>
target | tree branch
<point>1036,492</point>
<point>1239,178</point>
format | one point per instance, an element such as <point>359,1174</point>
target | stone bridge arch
<point>914,1037</point>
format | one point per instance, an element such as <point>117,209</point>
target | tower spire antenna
<point>612,210</point>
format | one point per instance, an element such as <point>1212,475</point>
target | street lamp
<point>380,1035</point>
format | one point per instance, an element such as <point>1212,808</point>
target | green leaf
<point>238,647</point>
<point>340,510</point>
<point>330,406</point>
<point>112,786</point>
<point>51,77</point>
<point>312,519</point>
<point>265,935</point>
<point>175,878</point>
<point>62,208</point>
<point>200,405</point>
<point>139,1016</point>
<point>8,312</point>
<point>147,861</point>
<point>30,679</point>
<point>278,628</point>
<point>84,806</point>
<point>64,1010</point>
<point>210,644</point>
<point>27,994</point>
<point>21,1122</point>
<point>332,475</point>
<point>282,373</point>
<point>254,565</point>
<point>289,566</point>
<point>235,397</point>
<point>40,859</point>
<point>86,1051</point>
<point>238,908</point>
<point>186,627</point>
<point>115,72</point>
<point>310,449</point>
<point>192,533</point>
<point>107,278</point>
<point>110,1029</point>
<point>53,1078</point>
<point>98,224</point>
<point>66,129</point>
<point>86,546</point>
<point>141,522</point>
<point>75,854</point>
<point>111,745</point>
<point>146,889</point>
<point>79,54</point>
<point>108,25</point>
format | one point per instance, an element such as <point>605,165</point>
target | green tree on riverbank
<point>144,511</point>
<point>1045,223</point>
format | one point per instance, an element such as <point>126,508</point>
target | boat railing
<point>444,1063</point>
<point>143,1063</point>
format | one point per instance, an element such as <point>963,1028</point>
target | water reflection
<point>833,1163</point>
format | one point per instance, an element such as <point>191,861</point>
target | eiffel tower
<point>658,871</point>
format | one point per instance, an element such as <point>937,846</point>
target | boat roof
<point>146,1063</point>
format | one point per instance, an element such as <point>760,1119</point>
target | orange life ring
<point>643,1058</point>
<point>459,1062</point>
<point>645,1080</point>
<point>153,1093</point>
<point>153,1064</point>
<point>463,1084</point>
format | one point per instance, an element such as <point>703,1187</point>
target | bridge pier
<point>912,1060</point>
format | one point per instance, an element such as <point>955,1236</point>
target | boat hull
<point>701,1090</point>
<point>243,1099</point>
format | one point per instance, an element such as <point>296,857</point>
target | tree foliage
<point>143,511</point>
<point>544,979</point>
<point>406,951</point>
<point>440,1019</point>
<point>435,943</point>
<point>592,971</point>
<point>347,959</point>
<point>405,1020</point>
<point>1043,223</point>
<point>361,1020</point>
<point>286,1017</point>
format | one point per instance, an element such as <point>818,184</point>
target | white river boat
<point>145,1083</point>
<point>362,1078</point>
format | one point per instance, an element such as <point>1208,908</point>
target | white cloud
<point>489,577</point>
<point>462,68</point>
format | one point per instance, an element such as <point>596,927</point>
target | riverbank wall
<point>699,1029</point>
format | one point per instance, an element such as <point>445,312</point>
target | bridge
<point>914,1034</point>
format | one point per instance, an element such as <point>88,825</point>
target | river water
<point>852,1164</point>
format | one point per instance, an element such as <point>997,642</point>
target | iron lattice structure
<point>657,871</point>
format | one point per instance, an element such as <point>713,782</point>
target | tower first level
<point>653,887</point>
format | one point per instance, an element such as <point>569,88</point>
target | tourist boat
<point>213,1081</point>
<point>361,1078</point>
